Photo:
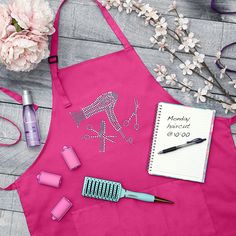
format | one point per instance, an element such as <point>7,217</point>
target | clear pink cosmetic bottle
<point>31,125</point>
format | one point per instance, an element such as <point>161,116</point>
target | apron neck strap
<point>115,28</point>
<point>55,36</point>
<point>216,8</point>
<point>53,59</point>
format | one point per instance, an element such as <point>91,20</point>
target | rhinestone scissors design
<point>101,135</point>
<point>133,115</point>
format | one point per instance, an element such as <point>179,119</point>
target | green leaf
<point>15,23</point>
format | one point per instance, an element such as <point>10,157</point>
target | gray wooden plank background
<point>85,35</point>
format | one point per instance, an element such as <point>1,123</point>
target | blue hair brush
<point>113,191</point>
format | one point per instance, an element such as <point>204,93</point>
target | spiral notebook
<point>176,125</point>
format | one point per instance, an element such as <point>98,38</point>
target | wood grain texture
<point>199,9</point>
<point>9,200</point>
<point>86,23</point>
<point>90,35</point>
<point>84,34</point>
<point>13,223</point>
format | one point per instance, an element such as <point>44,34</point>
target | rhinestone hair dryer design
<point>104,103</point>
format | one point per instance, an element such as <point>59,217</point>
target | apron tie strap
<point>217,9</point>
<point>18,129</point>
<point>58,85</point>
<point>219,63</point>
<point>10,187</point>
<point>17,97</point>
<point>232,120</point>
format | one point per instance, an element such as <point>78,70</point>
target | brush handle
<point>139,196</point>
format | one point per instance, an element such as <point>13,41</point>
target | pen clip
<point>196,140</point>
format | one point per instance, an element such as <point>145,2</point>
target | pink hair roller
<point>49,179</point>
<point>70,157</point>
<point>62,207</point>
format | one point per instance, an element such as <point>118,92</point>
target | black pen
<point>192,142</point>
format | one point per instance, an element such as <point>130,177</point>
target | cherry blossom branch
<point>187,42</point>
<point>194,71</point>
<point>205,65</point>
<point>217,84</point>
<point>164,75</point>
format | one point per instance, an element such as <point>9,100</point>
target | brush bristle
<point>101,189</point>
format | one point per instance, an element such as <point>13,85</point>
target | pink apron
<point>102,94</point>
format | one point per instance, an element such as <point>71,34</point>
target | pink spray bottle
<point>31,125</point>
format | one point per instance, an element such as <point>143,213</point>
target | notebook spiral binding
<point>155,132</point>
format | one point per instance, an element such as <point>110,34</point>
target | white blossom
<point>233,82</point>
<point>172,6</point>
<point>209,85</point>
<point>179,32</point>
<point>198,59</point>
<point>188,42</point>
<point>128,5</point>
<point>117,4</point>
<point>187,67</point>
<point>222,72</point>
<point>153,39</point>
<point>200,95</point>
<point>228,107</point>
<point>161,27</point>
<point>162,45</point>
<point>186,85</point>
<point>151,16</point>
<point>109,3</point>
<point>145,9</point>
<point>218,56</point>
<point>161,72</point>
<point>106,3</point>
<point>172,57</point>
<point>171,79</point>
<point>186,45</point>
<point>182,22</point>
<point>120,8</point>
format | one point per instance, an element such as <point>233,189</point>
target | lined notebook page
<point>175,125</point>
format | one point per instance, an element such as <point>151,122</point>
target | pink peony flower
<point>5,21</point>
<point>22,51</point>
<point>33,15</point>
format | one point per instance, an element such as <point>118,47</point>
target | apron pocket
<point>189,215</point>
<point>101,219</point>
